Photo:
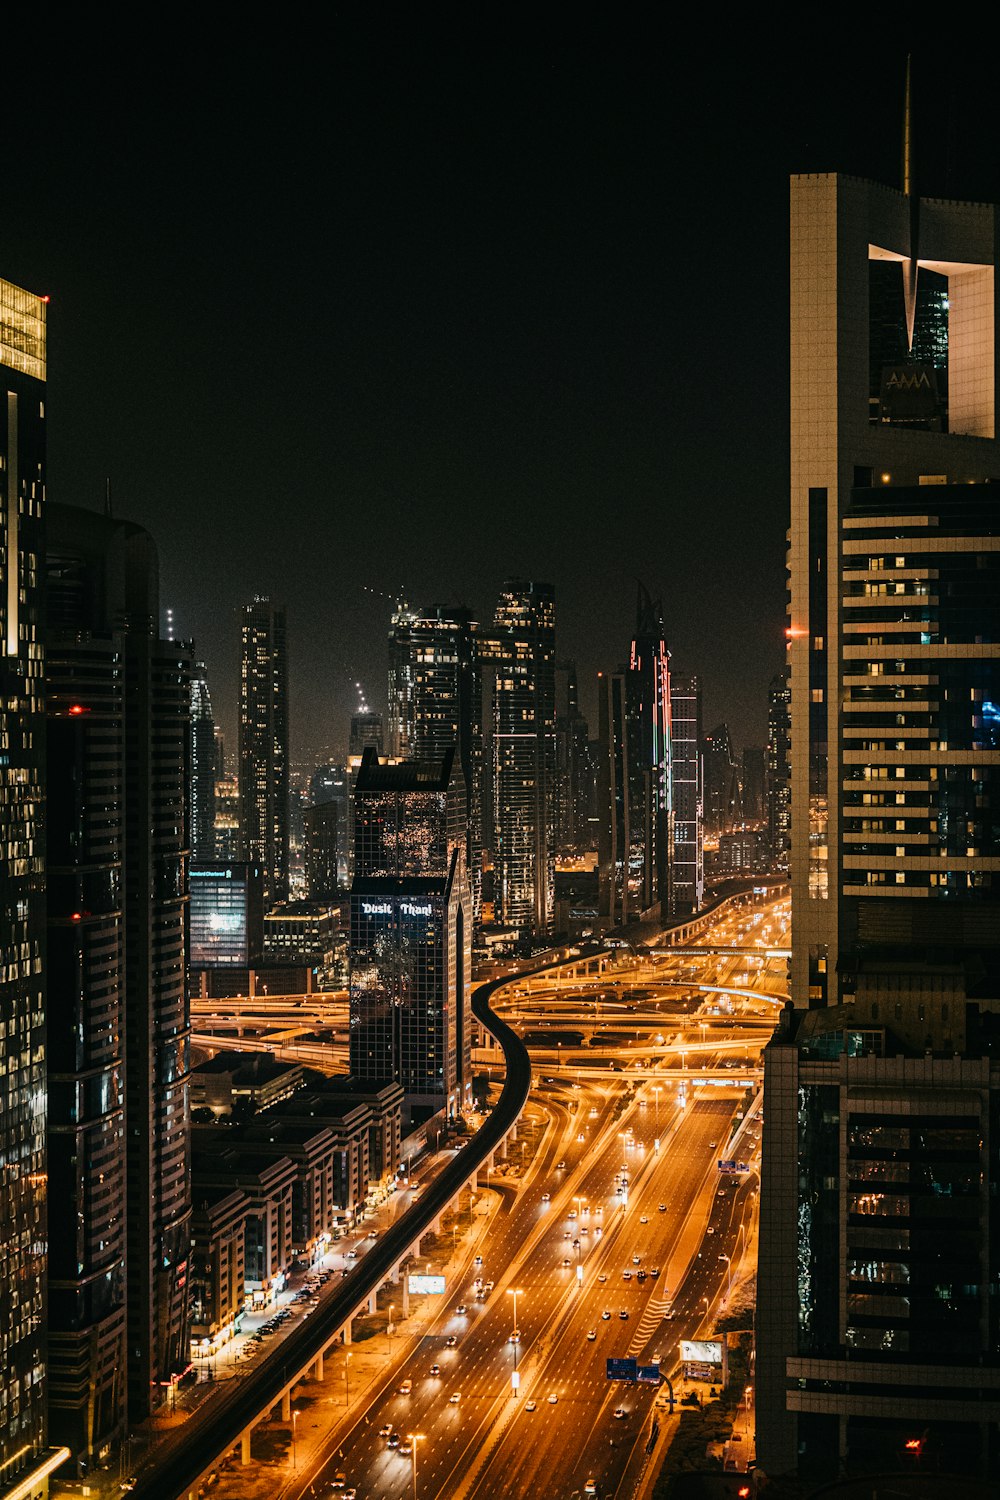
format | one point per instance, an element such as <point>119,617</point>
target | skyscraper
<point>877,1321</point>
<point>263,767</point>
<point>636,773</point>
<point>366,730</point>
<point>23,1229</point>
<point>435,703</point>
<point>203,767</point>
<point>722,783</point>
<point>519,709</point>
<point>411,933</point>
<point>571,795</point>
<point>688,864</point>
<point>119,768</point>
<point>779,791</point>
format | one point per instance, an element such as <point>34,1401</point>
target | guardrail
<point>177,1467</point>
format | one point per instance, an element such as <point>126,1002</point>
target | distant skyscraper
<point>571,785</point>
<point>877,1316</point>
<point>203,763</point>
<point>366,730</point>
<point>636,772</point>
<point>779,792</point>
<point>688,881</point>
<point>327,833</point>
<point>519,687</point>
<point>722,783</point>
<point>411,933</point>
<point>753,776</point>
<point>22,887</point>
<point>435,703</point>
<point>263,768</point>
<point>119,780</point>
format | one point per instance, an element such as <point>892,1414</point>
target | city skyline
<point>452,359</point>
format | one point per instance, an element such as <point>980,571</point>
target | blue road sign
<point>622,1369</point>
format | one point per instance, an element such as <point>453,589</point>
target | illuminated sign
<point>649,1373</point>
<point>432,1285</point>
<point>702,1351</point>
<point>621,1369</point>
<point>409,909</point>
<point>377,908</point>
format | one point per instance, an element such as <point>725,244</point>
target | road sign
<point>621,1369</point>
<point>649,1373</point>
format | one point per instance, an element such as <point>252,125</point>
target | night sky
<point>345,316</point>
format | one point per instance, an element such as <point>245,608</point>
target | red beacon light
<point>78,708</point>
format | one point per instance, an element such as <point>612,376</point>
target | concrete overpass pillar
<point>512,1137</point>
<point>371,1302</point>
<point>502,1149</point>
<point>406,1295</point>
<point>245,1446</point>
<point>347,1331</point>
<point>317,1369</point>
<point>286,1406</point>
<point>415,1247</point>
<point>394,1275</point>
<point>436,1226</point>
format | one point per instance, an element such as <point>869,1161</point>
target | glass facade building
<point>22,884</point>
<point>263,745</point>
<point>688,863</point>
<point>226,915</point>
<point>204,761</point>
<point>411,933</point>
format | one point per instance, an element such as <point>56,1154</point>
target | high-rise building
<point>687,886</point>
<point>723,810</point>
<point>366,731</point>
<point>877,1317</point>
<point>779,791</point>
<point>327,833</point>
<point>411,933</point>
<point>753,779</point>
<point>518,659</point>
<point>571,786</point>
<point>263,768</point>
<point>119,777</point>
<point>226,915</point>
<point>435,703</point>
<point>203,767</point>
<point>23,1229</point>
<point>636,828</point>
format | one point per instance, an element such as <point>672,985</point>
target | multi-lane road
<point>598,1272</point>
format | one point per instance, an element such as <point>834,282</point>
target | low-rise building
<point>218,1261</point>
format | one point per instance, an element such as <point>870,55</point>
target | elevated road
<point>178,1466</point>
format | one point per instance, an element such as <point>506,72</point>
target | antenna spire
<point>910,265</point>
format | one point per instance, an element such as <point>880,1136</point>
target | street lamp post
<point>512,1291</point>
<point>295,1419</point>
<point>347,1377</point>
<point>392,1309</point>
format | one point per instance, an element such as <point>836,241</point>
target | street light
<point>295,1418</point>
<point>392,1309</point>
<point>729,1269</point>
<point>512,1291</point>
<point>415,1438</point>
<point>347,1376</point>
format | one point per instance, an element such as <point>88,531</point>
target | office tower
<point>877,1316</point>
<point>753,778</point>
<point>688,866</point>
<point>203,767</point>
<point>263,768</point>
<point>571,786</point>
<point>722,783</point>
<point>226,915</point>
<point>22,888</point>
<point>366,730</point>
<point>435,703</point>
<point>779,791</point>
<point>119,781</point>
<point>518,659</point>
<point>411,933</point>
<point>635,752</point>
<point>227,818</point>
<point>327,833</point>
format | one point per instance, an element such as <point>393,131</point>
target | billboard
<point>733,1166</point>
<point>430,1284</point>
<point>621,1369</point>
<point>701,1351</point>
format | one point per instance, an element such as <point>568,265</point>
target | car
<point>626,1276</point>
<point>581,1138</point>
<point>435,1369</point>
<point>385,1430</point>
<point>567,1262</point>
<point>591,1334</point>
<point>490,1285</point>
<point>531,1406</point>
<point>406,1448</point>
<point>663,1208</point>
<point>515,1337</point>
<point>605,1316</point>
<point>713,1145</point>
<point>654,1271</point>
<point>621,1412</point>
<point>351,1255</point>
<point>546,1197</point>
<point>560,1166</point>
<point>602,1278</point>
<point>567,1234</point>
<point>644,1220</point>
<point>339,1480</point>
<point>576,1244</point>
<point>553,1398</point>
<point>636,1259</point>
<point>393,1440</point>
<point>450,1341</point>
<point>351,1493</point>
<point>479,1260</point>
<point>640,1275</point>
<point>461,1310</point>
<point>571,1214</point>
<point>624,1314</point>
<point>454,1398</point>
<point>590,1487</point>
<point>710,1229</point>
